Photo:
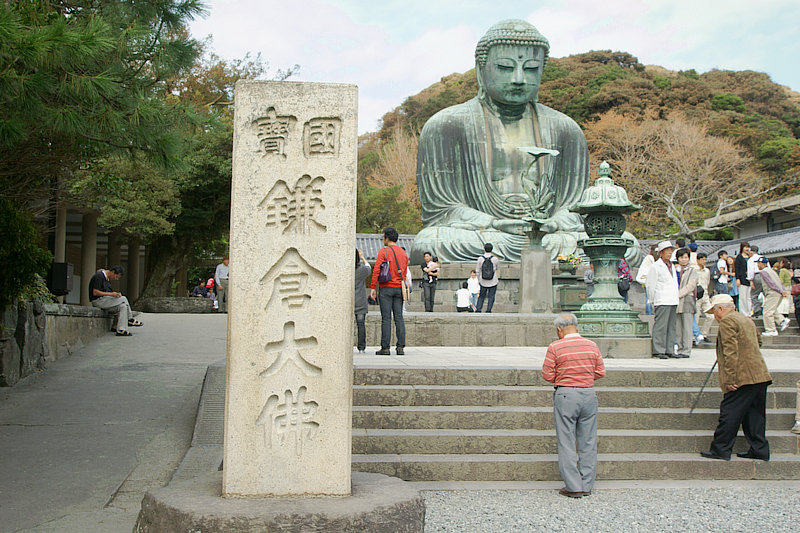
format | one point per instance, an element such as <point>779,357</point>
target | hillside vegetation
<point>611,94</point>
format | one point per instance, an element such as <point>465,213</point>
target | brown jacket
<point>738,352</point>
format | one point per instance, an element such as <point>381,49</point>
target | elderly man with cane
<point>572,364</point>
<point>744,378</point>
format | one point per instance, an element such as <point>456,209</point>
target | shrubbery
<point>22,260</point>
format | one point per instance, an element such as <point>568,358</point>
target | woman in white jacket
<point>641,276</point>
<point>662,291</point>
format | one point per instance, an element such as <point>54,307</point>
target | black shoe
<point>750,455</point>
<point>712,455</point>
<point>673,356</point>
<point>681,356</point>
<point>659,356</point>
<point>383,351</point>
<point>400,351</point>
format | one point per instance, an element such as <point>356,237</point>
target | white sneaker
<point>796,428</point>
<point>700,338</point>
<point>772,333</point>
<point>784,324</point>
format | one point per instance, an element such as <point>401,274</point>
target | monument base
<point>377,503</point>
<point>623,347</point>
<point>536,281</point>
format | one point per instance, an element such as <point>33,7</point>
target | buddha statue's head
<point>509,60</point>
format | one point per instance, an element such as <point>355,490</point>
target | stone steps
<point>544,467</point>
<point>513,417</point>
<point>490,395</point>
<point>536,441</point>
<point>496,424</point>
<point>502,376</point>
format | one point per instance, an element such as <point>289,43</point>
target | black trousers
<point>487,293</point>
<point>361,326</point>
<point>390,300</point>
<point>428,291</point>
<point>746,407</point>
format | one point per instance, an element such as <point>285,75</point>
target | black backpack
<point>714,271</point>
<point>487,269</point>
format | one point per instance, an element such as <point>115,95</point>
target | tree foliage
<point>680,173</point>
<point>81,79</point>
<point>21,257</point>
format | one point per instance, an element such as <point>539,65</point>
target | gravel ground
<point>724,509</point>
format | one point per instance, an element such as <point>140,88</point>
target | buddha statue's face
<point>512,73</point>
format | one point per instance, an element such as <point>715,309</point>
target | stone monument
<point>288,399</point>
<point>502,168</point>
<point>606,315</point>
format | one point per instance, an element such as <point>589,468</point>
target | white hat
<point>663,245</point>
<point>718,299</point>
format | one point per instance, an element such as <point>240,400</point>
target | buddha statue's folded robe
<point>459,201</point>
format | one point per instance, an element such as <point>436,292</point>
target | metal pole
<point>703,387</point>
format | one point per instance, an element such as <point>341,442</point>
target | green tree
<point>84,78</point>
<point>378,208</point>
<point>21,258</point>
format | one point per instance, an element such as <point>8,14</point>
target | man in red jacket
<point>390,298</point>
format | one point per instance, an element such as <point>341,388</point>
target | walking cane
<point>703,387</point>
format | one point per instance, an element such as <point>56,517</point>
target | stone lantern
<point>603,207</point>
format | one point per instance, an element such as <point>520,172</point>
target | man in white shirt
<point>662,290</point>
<point>641,276</point>
<point>221,279</point>
<point>754,276</point>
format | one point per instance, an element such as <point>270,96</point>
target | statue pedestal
<point>535,282</point>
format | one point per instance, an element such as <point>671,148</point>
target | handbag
<point>623,285</point>
<point>384,276</point>
<point>403,285</point>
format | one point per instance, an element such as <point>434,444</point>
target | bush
<point>21,258</point>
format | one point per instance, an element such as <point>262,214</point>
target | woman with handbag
<point>687,303</point>
<point>624,283</point>
<point>389,278</point>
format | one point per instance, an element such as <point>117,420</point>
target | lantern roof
<point>604,195</point>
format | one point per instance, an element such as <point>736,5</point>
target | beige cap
<point>663,245</point>
<point>718,299</point>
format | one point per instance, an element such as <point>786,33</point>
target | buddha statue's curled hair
<point>512,31</point>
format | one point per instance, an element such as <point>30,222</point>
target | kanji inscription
<point>273,132</point>
<point>289,278</point>
<point>295,209</point>
<point>291,421</point>
<point>321,136</point>
<point>287,351</point>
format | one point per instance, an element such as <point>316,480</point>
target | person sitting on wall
<point>200,290</point>
<point>103,296</point>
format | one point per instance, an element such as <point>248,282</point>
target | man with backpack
<point>389,277</point>
<point>487,278</point>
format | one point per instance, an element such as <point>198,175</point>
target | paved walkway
<point>83,441</point>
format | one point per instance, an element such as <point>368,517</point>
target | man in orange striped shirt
<point>572,364</point>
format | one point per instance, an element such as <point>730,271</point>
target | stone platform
<point>494,329</point>
<point>377,503</point>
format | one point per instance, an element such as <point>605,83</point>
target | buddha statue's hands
<point>512,225</point>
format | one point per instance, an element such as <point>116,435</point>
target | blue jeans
<point>695,330</point>
<point>486,293</point>
<point>390,300</point>
<point>473,299</point>
<point>648,307</point>
<point>362,331</point>
<point>721,288</point>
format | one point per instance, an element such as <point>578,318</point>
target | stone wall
<point>469,329</point>
<point>174,305</point>
<point>70,327</point>
<point>22,341</point>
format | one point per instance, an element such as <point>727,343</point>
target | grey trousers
<point>109,302</point>
<point>665,325</point>
<point>222,295</point>
<point>755,290</point>
<point>684,335</point>
<point>575,417</point>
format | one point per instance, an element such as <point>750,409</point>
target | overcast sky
<point>393,49</point>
